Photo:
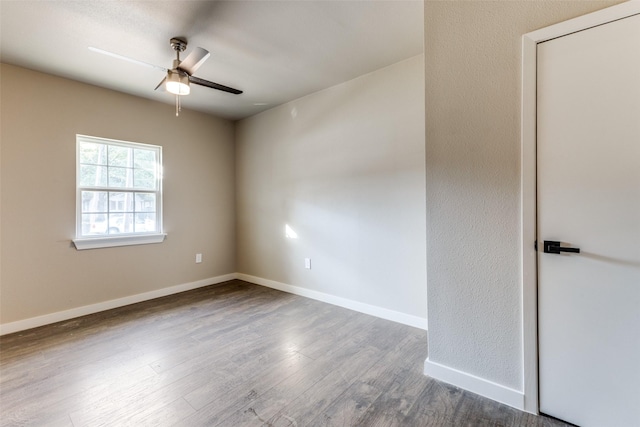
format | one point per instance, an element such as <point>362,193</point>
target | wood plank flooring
<point>233,354</point>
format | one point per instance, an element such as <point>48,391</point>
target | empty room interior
<point>317,217</point>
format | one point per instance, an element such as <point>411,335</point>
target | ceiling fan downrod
<point>179,45</point>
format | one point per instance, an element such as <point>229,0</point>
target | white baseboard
<point>474,384</point>
<point>34,322</point>
<point>395,316</point>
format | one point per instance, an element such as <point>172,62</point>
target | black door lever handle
<point>553,247</point>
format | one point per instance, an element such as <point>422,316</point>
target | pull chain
<point>178,105</point>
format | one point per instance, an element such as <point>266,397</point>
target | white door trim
<point>528,182</point>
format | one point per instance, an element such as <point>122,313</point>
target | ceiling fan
<point>178,78</point>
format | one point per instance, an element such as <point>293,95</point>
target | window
<point>119,193</point>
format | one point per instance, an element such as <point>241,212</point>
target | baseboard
<point>34,322</point>
<point>395,316</point>
<point>474,384</point>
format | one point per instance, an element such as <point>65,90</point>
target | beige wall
<point>41,271</point>
<point>472,73</point>
<point>344,168</point>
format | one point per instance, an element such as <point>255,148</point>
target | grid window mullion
<point>127,176</point>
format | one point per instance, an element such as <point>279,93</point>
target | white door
<point>588,189</point>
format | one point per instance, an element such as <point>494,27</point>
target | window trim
<point>110,242</point>
<point>128,239</point>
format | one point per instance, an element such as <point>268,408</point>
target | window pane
<point>145,222</point>
<point>120,223</point>
<point>94,224</point>
<point>120,177</point>
<point>93,153</point>
<point>93,176</point>
<point>120,156</point>
<point>145,202</point>
<point>94,201</point>
<point>120,202</point>
<point>144,159</point>
<point>144,179</point>
<point>119,184</point>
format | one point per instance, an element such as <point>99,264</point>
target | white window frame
<point>81,241</point>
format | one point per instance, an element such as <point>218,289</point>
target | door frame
<point>529,271</point>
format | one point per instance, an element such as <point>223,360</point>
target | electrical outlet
<point>307,263</point>
<point>198,258</point>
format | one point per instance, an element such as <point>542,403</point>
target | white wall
<point>472,72</point>
<point>344,168</point>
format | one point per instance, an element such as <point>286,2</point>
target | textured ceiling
<point>275,51</point>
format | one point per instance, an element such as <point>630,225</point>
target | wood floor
<point>233,354</point>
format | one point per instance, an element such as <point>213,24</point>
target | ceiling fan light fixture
<point>177,83</point>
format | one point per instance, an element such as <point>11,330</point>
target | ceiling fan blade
<point>207,83</point>
<point>126,58</point>
<point>161,85</point>
<point>194,60</point>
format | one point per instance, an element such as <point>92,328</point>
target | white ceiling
<point>275,51</point>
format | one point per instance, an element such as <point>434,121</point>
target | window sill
<point>109,242</point>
